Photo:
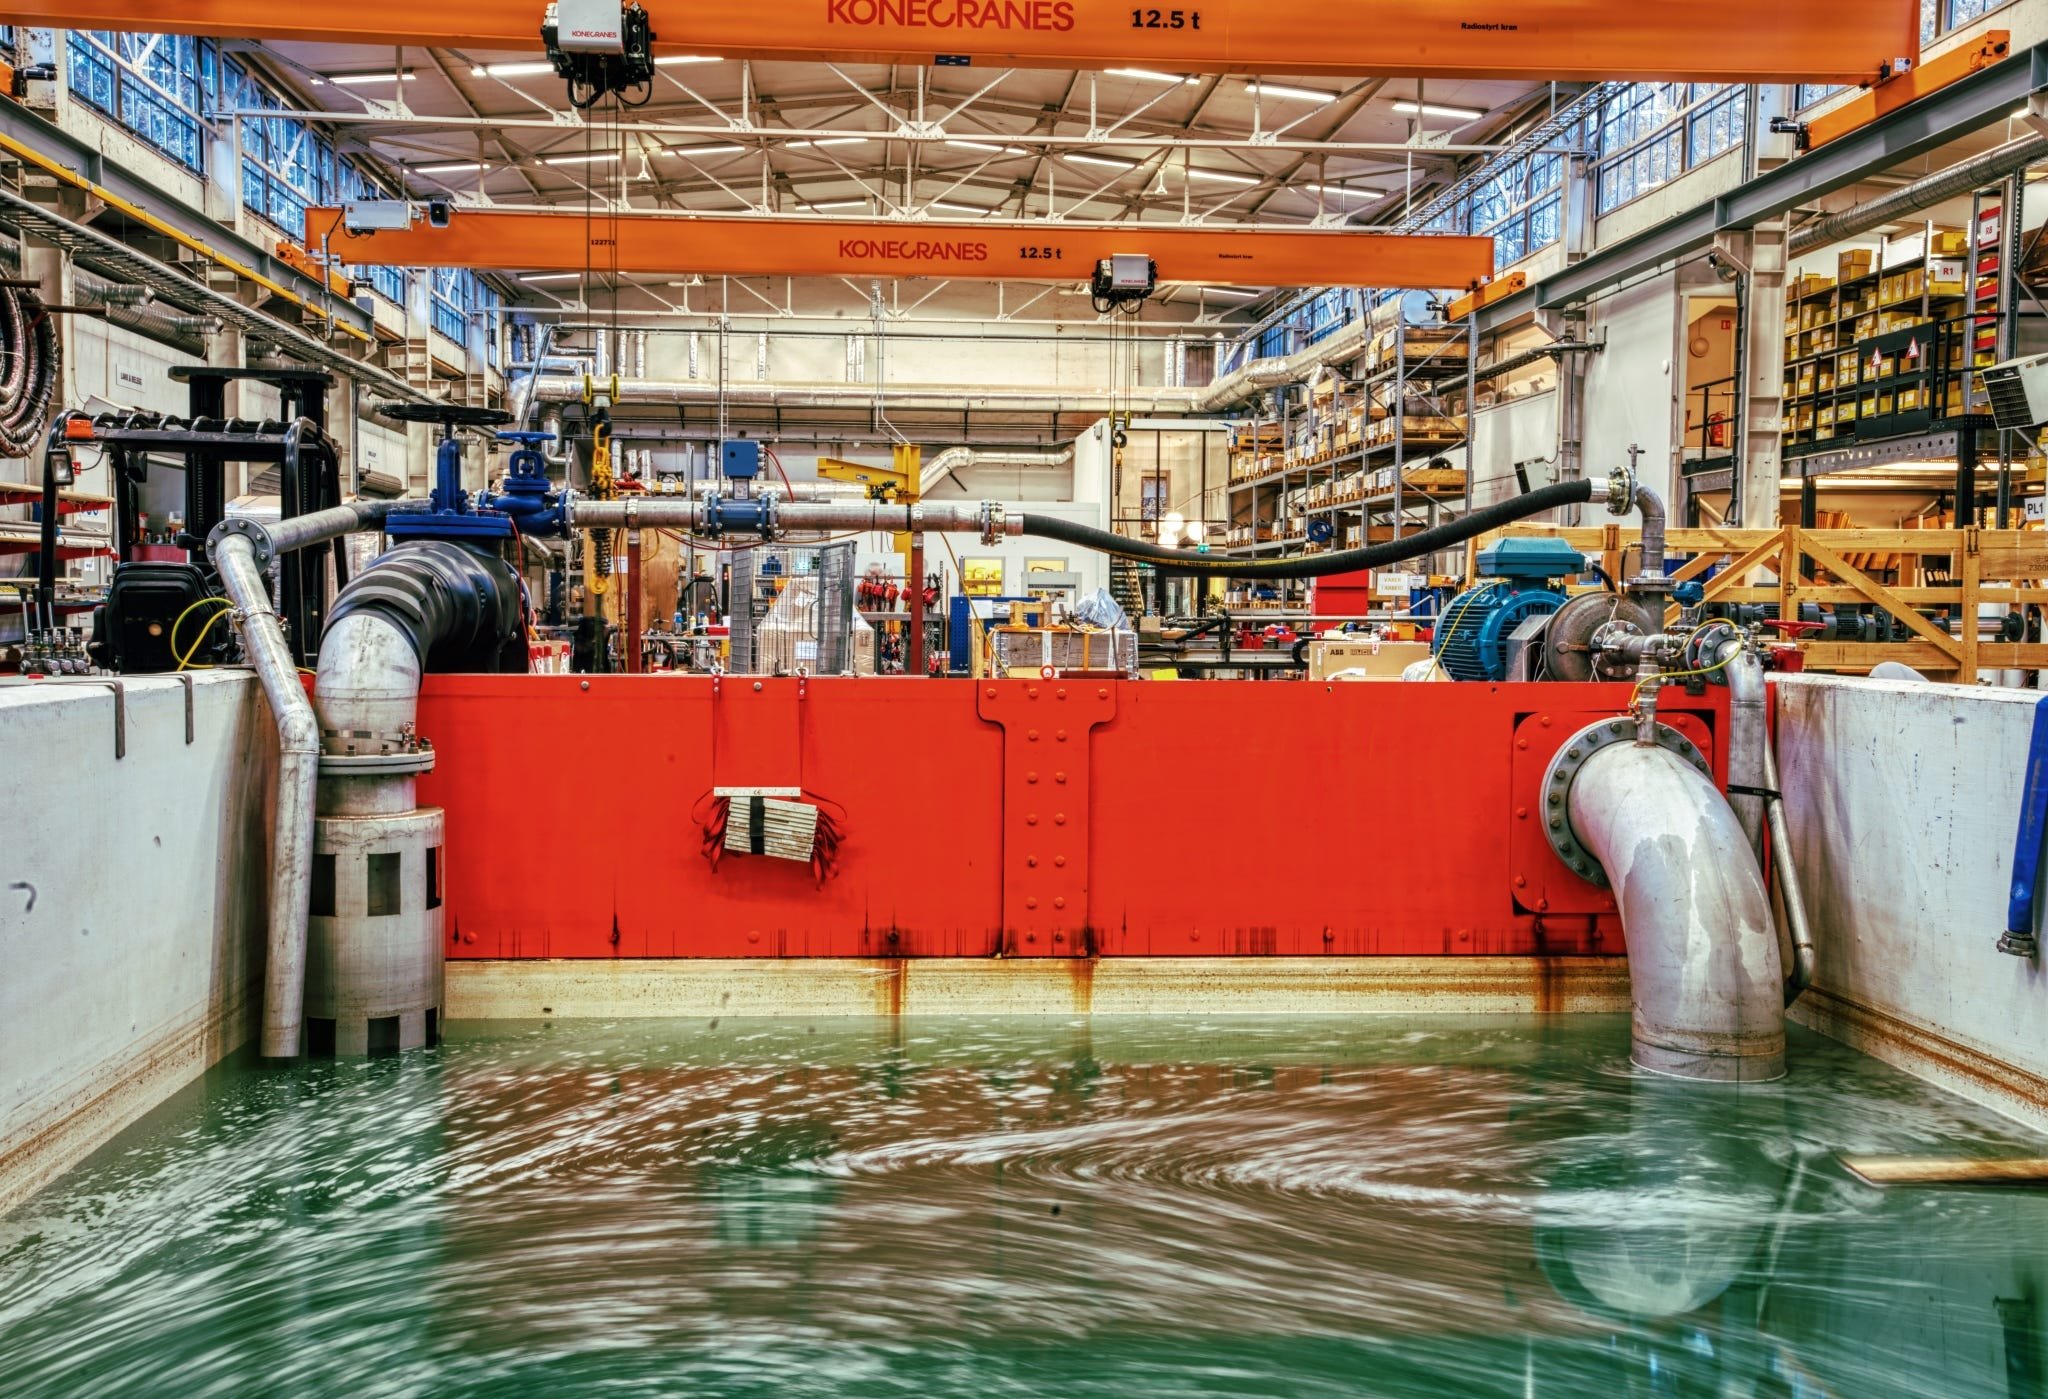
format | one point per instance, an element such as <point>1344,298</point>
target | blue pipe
<point>2018,938</point>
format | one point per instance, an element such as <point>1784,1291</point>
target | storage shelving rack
<point>1906,389</point>
<point>1388,476</point>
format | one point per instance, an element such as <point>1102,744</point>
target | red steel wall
<point>1033,818</point>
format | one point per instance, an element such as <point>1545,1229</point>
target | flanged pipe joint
<point>374,933</point>
<point>1704,964</point>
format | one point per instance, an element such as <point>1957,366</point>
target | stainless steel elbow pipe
<point>1704,967</point>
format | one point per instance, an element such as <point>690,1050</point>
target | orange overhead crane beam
<point>1764,41</point>
<point>512,240</point>
<point>1888,94</point>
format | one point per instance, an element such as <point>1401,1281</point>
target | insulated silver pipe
<point>241,551</point>
<point>1791,893</point>
<point>323,525</point>
<point>669,512</point>
<point>1652,507</point>
<point>1924,193</point>
<point>298,777</point>
<point>1703,958</point>
<point>1749,741</point>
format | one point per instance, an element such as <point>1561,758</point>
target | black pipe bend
<point>1394,551</point>
<point>457,605</point>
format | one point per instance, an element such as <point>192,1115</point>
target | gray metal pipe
<point>1923,193</point>
<point>1791,893</point>
<point>1652,507</point>
<point>241,551</point>
<point>298,776</point>
<point>1703,957</point>
<point>1749,740</point>
<point>958,458</point>
<point>674,512</point>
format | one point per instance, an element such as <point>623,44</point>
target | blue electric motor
<point>1522,578</point>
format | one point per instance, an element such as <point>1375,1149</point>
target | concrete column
<point>1760,460</point>
<point>229,349</point>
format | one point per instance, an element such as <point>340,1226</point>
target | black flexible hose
<point>28,382</point>
<point>458,606</point>
<point>1394,551</point>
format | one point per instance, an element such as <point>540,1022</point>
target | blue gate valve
<point>526,494</point>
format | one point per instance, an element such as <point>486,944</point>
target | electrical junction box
<point>740,460</point>
<point>588,26</point>
<point>1126,272</point>
<point>376,215</point>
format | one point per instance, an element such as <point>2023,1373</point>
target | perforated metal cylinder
<point>373,955</point>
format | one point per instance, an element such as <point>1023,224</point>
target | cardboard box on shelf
<point>1854,263</point>
<point>1363,660</point>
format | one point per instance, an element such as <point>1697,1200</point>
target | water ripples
<point>1071,1208</point>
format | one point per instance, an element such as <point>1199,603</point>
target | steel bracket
<point>1047,734</point>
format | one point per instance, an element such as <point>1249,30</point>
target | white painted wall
<point>1903,801</point>
<point>1630,384</point>
<point>131,905</point>
<point>1514,430</point>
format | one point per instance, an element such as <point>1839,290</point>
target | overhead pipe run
<point>679,393</point>
<point>769,518</point>
<point>953,459</point>
<point>1923,193</point>
<point>133,308</point>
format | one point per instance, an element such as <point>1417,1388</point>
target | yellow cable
<point>1636,693</point>
<point>203,602</point>
<point>185,661</point>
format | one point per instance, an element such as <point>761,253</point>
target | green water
<point>1423,1207</point>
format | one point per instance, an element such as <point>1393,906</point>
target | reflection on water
<point>1108,1208</point>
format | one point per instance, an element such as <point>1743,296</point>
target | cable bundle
<point>28,371</point>
<point>807,828</point>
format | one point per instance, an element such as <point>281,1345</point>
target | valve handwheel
<point>1791,629</point>
<point>448,415</point>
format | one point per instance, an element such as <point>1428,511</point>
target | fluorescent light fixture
<point>679,60</point>
<point>1363,191</point>
<point>1221,177</point>
<point>703,152</point>
<point>453,167</point>
<point>983,146</point>
<point>594,158</point>
<point>1292,94</point>
<point>511,70</point>
<point>1438,109</point>
<point>830,141</point>
<point>944,207</point>
<point>550,276</point>
<point>1146,75</point>
<point>838,204</point>
<point>1230,291</point>
<point>364,79</point>
<point>1106,162</point>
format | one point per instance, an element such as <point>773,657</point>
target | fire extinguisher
<point>1717,429</point>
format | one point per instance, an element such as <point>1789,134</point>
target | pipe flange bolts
<point>1621,490</point>
<point>993,522</point>
<point>241,526</point>
<point>1564,768</point>
<point>377,764</point>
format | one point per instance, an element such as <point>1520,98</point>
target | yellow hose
<point>184,661</point>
